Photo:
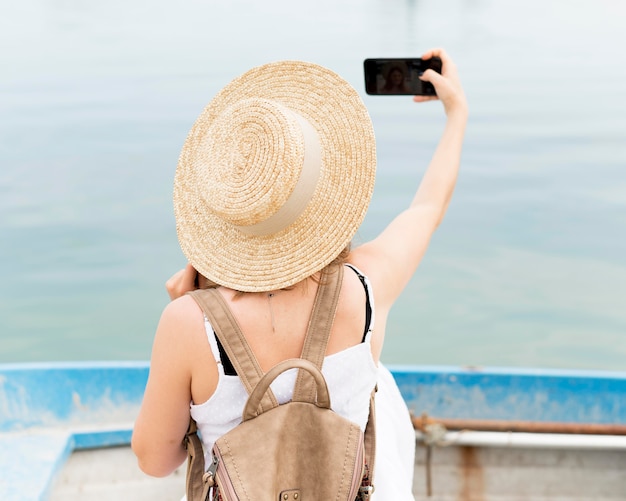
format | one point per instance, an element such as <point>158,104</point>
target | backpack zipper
<point>225,486</point>
<point>358,474</point>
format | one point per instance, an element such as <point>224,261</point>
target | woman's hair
<point>340,260</point>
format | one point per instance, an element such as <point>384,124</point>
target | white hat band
<point>303,189</point>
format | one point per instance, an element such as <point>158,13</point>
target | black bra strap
<point>368,302</point>
<point>229,370</point>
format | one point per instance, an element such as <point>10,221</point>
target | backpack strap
<point>229,333</point>
<point>314,350</point>
<point>197,487</point>
<point>318,331</point>
<point>234,342</point>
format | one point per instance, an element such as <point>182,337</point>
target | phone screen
<point>399,77</point>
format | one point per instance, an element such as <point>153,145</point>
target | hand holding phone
<point>399,77</point>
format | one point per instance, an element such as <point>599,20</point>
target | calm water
<point>528,269</point>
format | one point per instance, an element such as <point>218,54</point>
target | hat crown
<point>252,157</point>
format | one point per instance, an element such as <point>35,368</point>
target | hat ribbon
<point>303,190</point>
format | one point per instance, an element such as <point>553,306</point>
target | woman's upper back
<point>275,324</point>
<point>348,367</point>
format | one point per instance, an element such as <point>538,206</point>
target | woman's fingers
<point>447,84</point>
<point>422,99</point>
<point>181,282</point>
<point>434,52</point>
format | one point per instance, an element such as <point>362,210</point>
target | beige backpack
<point>297,451</point>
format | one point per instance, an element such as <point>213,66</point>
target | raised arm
<point>391,259</point>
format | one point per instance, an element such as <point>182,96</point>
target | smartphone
<point>399,77</point>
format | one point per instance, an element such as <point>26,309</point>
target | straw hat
<point>275,177</point>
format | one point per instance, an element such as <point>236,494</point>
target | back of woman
<point>273,182</point>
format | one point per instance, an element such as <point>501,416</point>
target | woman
<point>272,183</point>
<point>395,82</point>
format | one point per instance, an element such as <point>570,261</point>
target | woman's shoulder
<point>182,318</point>
<point>373,263</point>
<point>183,306</point>
<point>353,286</point>
<point>367,261</point>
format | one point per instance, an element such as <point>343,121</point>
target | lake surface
<point>528,269</point>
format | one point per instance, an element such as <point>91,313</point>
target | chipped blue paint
<point>514,394</point>
<point>50,395</point>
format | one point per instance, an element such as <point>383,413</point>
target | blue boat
<point>481,433</point>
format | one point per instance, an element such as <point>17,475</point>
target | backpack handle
<point>323,398</point>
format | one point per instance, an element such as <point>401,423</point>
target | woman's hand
<point>181,282</point>
<point>447,84</point>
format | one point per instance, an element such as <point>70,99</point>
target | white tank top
<point>350,374</point>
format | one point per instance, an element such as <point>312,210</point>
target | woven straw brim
<point>230,257</point>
